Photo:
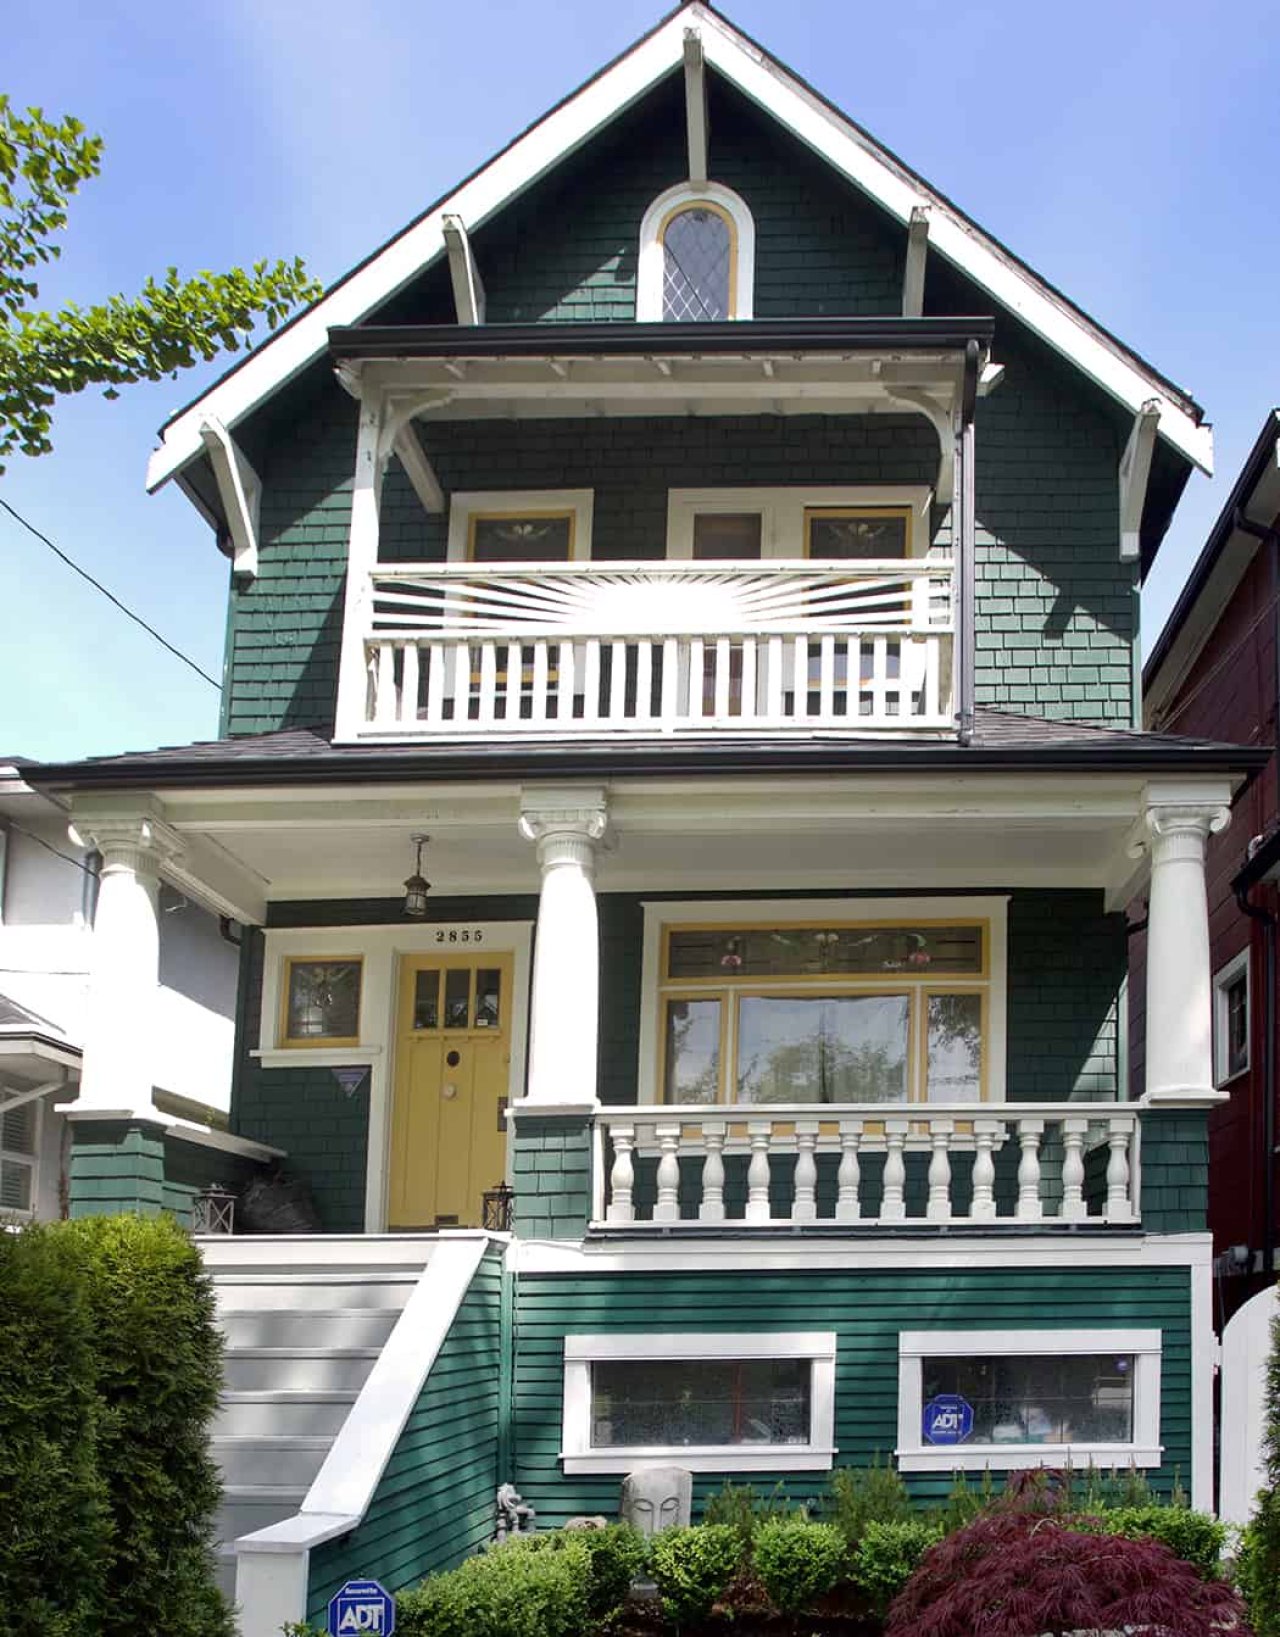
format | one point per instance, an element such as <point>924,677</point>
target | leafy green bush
<point>693,1567</point>
<point>1193,1536</point>
<point>745,1508</point>
<point>159,1368</point>
<point>797,1561</point>
<point>1258,1561</point>
<point>616,1555</point>
<point>857,1496</point>
<point>887,1555</point>
<point>524,1588</point>
<point>964,1502</point>
<point>56,1527</point>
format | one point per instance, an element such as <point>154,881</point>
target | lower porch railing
<point>755,1166</point>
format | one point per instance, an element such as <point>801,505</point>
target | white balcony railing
<point>753,1166</point>
<point>661,647</point>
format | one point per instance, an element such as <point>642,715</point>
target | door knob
<point>450,1091</point>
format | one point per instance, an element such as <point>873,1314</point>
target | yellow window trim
<point>715,209</point>
<point>316,1042</point>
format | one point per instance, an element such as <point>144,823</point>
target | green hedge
<point>109,1373</point>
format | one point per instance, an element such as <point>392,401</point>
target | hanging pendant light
<point>417,886</point>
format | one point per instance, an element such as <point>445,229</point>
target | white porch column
<point>566,825</point>
<point>120,1021</point>
<point>1179,1044</point>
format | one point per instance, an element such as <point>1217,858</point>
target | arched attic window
<point>697,256</point>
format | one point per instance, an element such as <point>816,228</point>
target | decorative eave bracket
<point>1135,470</point>
<point>240,490</point>
<point>468,288</point>
<point>914,267</point>
<point>695,104</point>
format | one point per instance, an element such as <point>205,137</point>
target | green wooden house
<point>712,560</point>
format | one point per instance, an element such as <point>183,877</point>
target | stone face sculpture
<point>656,1498</point>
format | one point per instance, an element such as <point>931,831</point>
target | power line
<point>110,596</point>
<point>48,845</point>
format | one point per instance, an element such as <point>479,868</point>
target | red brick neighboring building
<point>1215,672</point>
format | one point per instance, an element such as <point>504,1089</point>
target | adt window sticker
<point>948,1419</point>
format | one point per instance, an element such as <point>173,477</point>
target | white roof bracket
<point>1135,469</point>
<point>418,468</point>
<point>468,289</point>
<point>695,104</point>
<point>941,420</point>
<point>917,256</point>
<point>239,489</point>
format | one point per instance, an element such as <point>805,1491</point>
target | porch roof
<point>1002,742</point>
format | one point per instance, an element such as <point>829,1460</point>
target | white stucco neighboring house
<point>48,894</point>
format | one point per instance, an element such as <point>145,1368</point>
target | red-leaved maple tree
<point>1022,1574</point>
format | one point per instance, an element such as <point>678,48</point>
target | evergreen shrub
<point>1193,1536</point>
<point>886,1557</point>
<point>616,1554</point>
<point>519,1589</point>
<point>857,1496</point>
<point>745,1507</point>
<point>694,1567</point>
<point>1258,1560</point>
<point>797,1561</point>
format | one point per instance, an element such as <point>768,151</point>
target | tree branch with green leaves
<point>173,323</point>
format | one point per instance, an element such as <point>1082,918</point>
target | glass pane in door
<point>426,999</point>
<point>488,998</point>
<point>457,998</point>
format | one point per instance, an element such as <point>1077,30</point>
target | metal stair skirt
<point>303,1324</point>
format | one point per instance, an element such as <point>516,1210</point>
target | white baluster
<point>668,1207</point>
<point>409,685</point>
<point>987,1136</point>
<point>711,1208</point>
<point>804,1202</point>
<point>750,707</point>
<point>644,679</point>
<point>488,682</point>
<point>1074,1208</point>
<point>849,1174</point>
<point>1030,1208</point>
<point>773,682</point>
<point>760,1133</point>
<point>435,684</point>
<point>939,1206</point>
<point>827,680</point>
<point>893,1206</point>
<point>591,681</point>
<point>854,673</point>
<point>800,659</point>
<point>460,663</point>
<point>566,683</point>
<point>622,1177</point>
<point>384,713</point>
<point>617,683</point>
<point>670,682</point>
<point>515,679</point>
<point>880,679</point>
<point>541,671</point>
<point>1119,1204</point>
<point>722,665</point>
<point>697,678</point>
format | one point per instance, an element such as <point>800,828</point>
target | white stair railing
<point>657,647</point>
<point>944,1164</point>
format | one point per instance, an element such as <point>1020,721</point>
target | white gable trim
<point>575,121</point>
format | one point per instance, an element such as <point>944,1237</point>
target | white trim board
<point>465,504</point>
<point>651,263</point>
<point>830,134</point>
<point>381,948</point>
<point>582,1351</point>
<point>782,513</point>
<point>914,1346</point>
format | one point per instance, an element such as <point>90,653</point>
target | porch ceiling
<point>687,836</point>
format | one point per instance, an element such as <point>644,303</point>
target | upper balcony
<point>790,632</point>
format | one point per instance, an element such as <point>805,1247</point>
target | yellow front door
<point>453,1057</point>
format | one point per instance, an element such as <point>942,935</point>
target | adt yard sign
<point>362,1607</point>
<point>948,1419</point>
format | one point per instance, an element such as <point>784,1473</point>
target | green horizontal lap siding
<point>867,1310</point>
<point>434,1504</point>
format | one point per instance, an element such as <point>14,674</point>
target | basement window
<point>712,1403</point>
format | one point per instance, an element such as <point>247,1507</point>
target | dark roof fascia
<point>606,761</point>
<point>1250,476</point>
<point>614,340</point>
<point>1261,866</point>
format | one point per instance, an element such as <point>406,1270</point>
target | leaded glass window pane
<point>1065,1399</point>
<point>426,998</point>
<point>830,1049</point>
<point>754,952</point>
<point>852,534</point>
<point>665,1403</point>
<point>530,539</point>
<point>488,997</point>
<point>697,265</point>
<point>323,1000</point>
<point>693,1051</point>
<point>457,998</point>
<point>955,1048</point>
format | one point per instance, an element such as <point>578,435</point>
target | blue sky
<point>1126,151</point>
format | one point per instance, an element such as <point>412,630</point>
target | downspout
<point>1267,918</point>
<point>965,556</point>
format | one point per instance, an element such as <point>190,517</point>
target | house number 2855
<point>459,935</point>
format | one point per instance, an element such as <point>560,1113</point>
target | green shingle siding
<point>866,1310</point>
<point>116,1166</point>
<point>434,1504</point>
<point>551,1172</point>
<point>1175,1170</point>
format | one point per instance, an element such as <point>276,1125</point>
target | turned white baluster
<point>711,1208</point>
<point>804,1204</point>
<point>1119,1204</point>
<point>848,1177</point>
<point>760,1134</point>
<point>1029,1207</point>
<point>667,1208</point>
<point>939,1206</point>
<point>893,1207</point>
<point>622,1177</point>
<point>1074,1208</point>
<point>987,1135</point>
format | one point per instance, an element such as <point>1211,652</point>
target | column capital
<point>1176,823</point>
<point>564,821</point>
<point>138,838</point>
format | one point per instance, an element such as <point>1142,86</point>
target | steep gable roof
<point>849,149</point>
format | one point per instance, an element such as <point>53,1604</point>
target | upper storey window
<point>697,256</point>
